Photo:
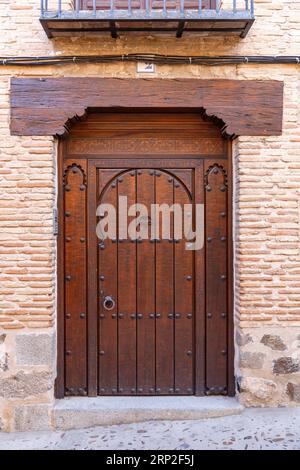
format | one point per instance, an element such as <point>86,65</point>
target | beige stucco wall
<point>266,226</point>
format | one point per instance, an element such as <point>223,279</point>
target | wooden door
<point>144,315</point>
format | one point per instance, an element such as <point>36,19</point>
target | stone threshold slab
<point>75,413</point>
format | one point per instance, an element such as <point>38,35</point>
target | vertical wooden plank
<point>184,305</point>
<point>199,282</point>
<point>165,293</point>
<point>107,286</point>
<point>127,294</point>
<point>230,313</point>
<point>216,212</point>
<point>146,292</point>
<point>60,380</point>
<point>92,281</point>
<point>75,278</point>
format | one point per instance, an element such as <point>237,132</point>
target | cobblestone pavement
<point>253,429</point>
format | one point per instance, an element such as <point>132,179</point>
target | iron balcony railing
<point>147,9</point>
<point>68,17</point>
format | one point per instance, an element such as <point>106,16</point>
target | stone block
<point>252,360</point>
<point>22,384</point>
<point>243,339</point>
<point>285,365</point>
<point>35,349</point>
<point>32,418</point>
<point>274,342</point>
<point>260,389</point>
<point>83,412</point>
<point>293,390</point>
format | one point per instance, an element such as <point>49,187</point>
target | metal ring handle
<point>109,303</point>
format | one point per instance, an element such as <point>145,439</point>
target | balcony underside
<point>174,23</point>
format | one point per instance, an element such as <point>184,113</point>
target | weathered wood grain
<point>48,106</point>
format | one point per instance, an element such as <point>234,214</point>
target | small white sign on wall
<point>145,67</point>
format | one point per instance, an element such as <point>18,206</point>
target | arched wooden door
<point>146,337</point>
<point>144,315</point>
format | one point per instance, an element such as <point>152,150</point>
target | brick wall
<point>267,250</point>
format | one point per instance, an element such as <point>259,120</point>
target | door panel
<point>146,340</point>
<point>183,311</point>
<point>107,285</point>
<point>216,276</point>
<point>75,278</point>
<point>145,264</point>
<point>127,295</point>
<point>165,293</point>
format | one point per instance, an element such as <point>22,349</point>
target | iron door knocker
<point>109,303</point>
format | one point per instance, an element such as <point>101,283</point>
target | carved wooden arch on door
<point>145,317</point>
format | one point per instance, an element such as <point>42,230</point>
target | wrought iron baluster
<point>200,7</point>
<point>129,7</point>
<point>111,6</point>
<point>165,6</point>
<point>42,7</point>
<point>218,6</point>
<point>247,5</point>
<point>77,7</point>
<point>147,7</point>
<point>94,7</point>
<point>234,6</point>
<point>59,8</point>
<point>252,7</point>
<point>182,7</point>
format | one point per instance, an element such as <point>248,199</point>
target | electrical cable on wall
<point>153,58</point>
